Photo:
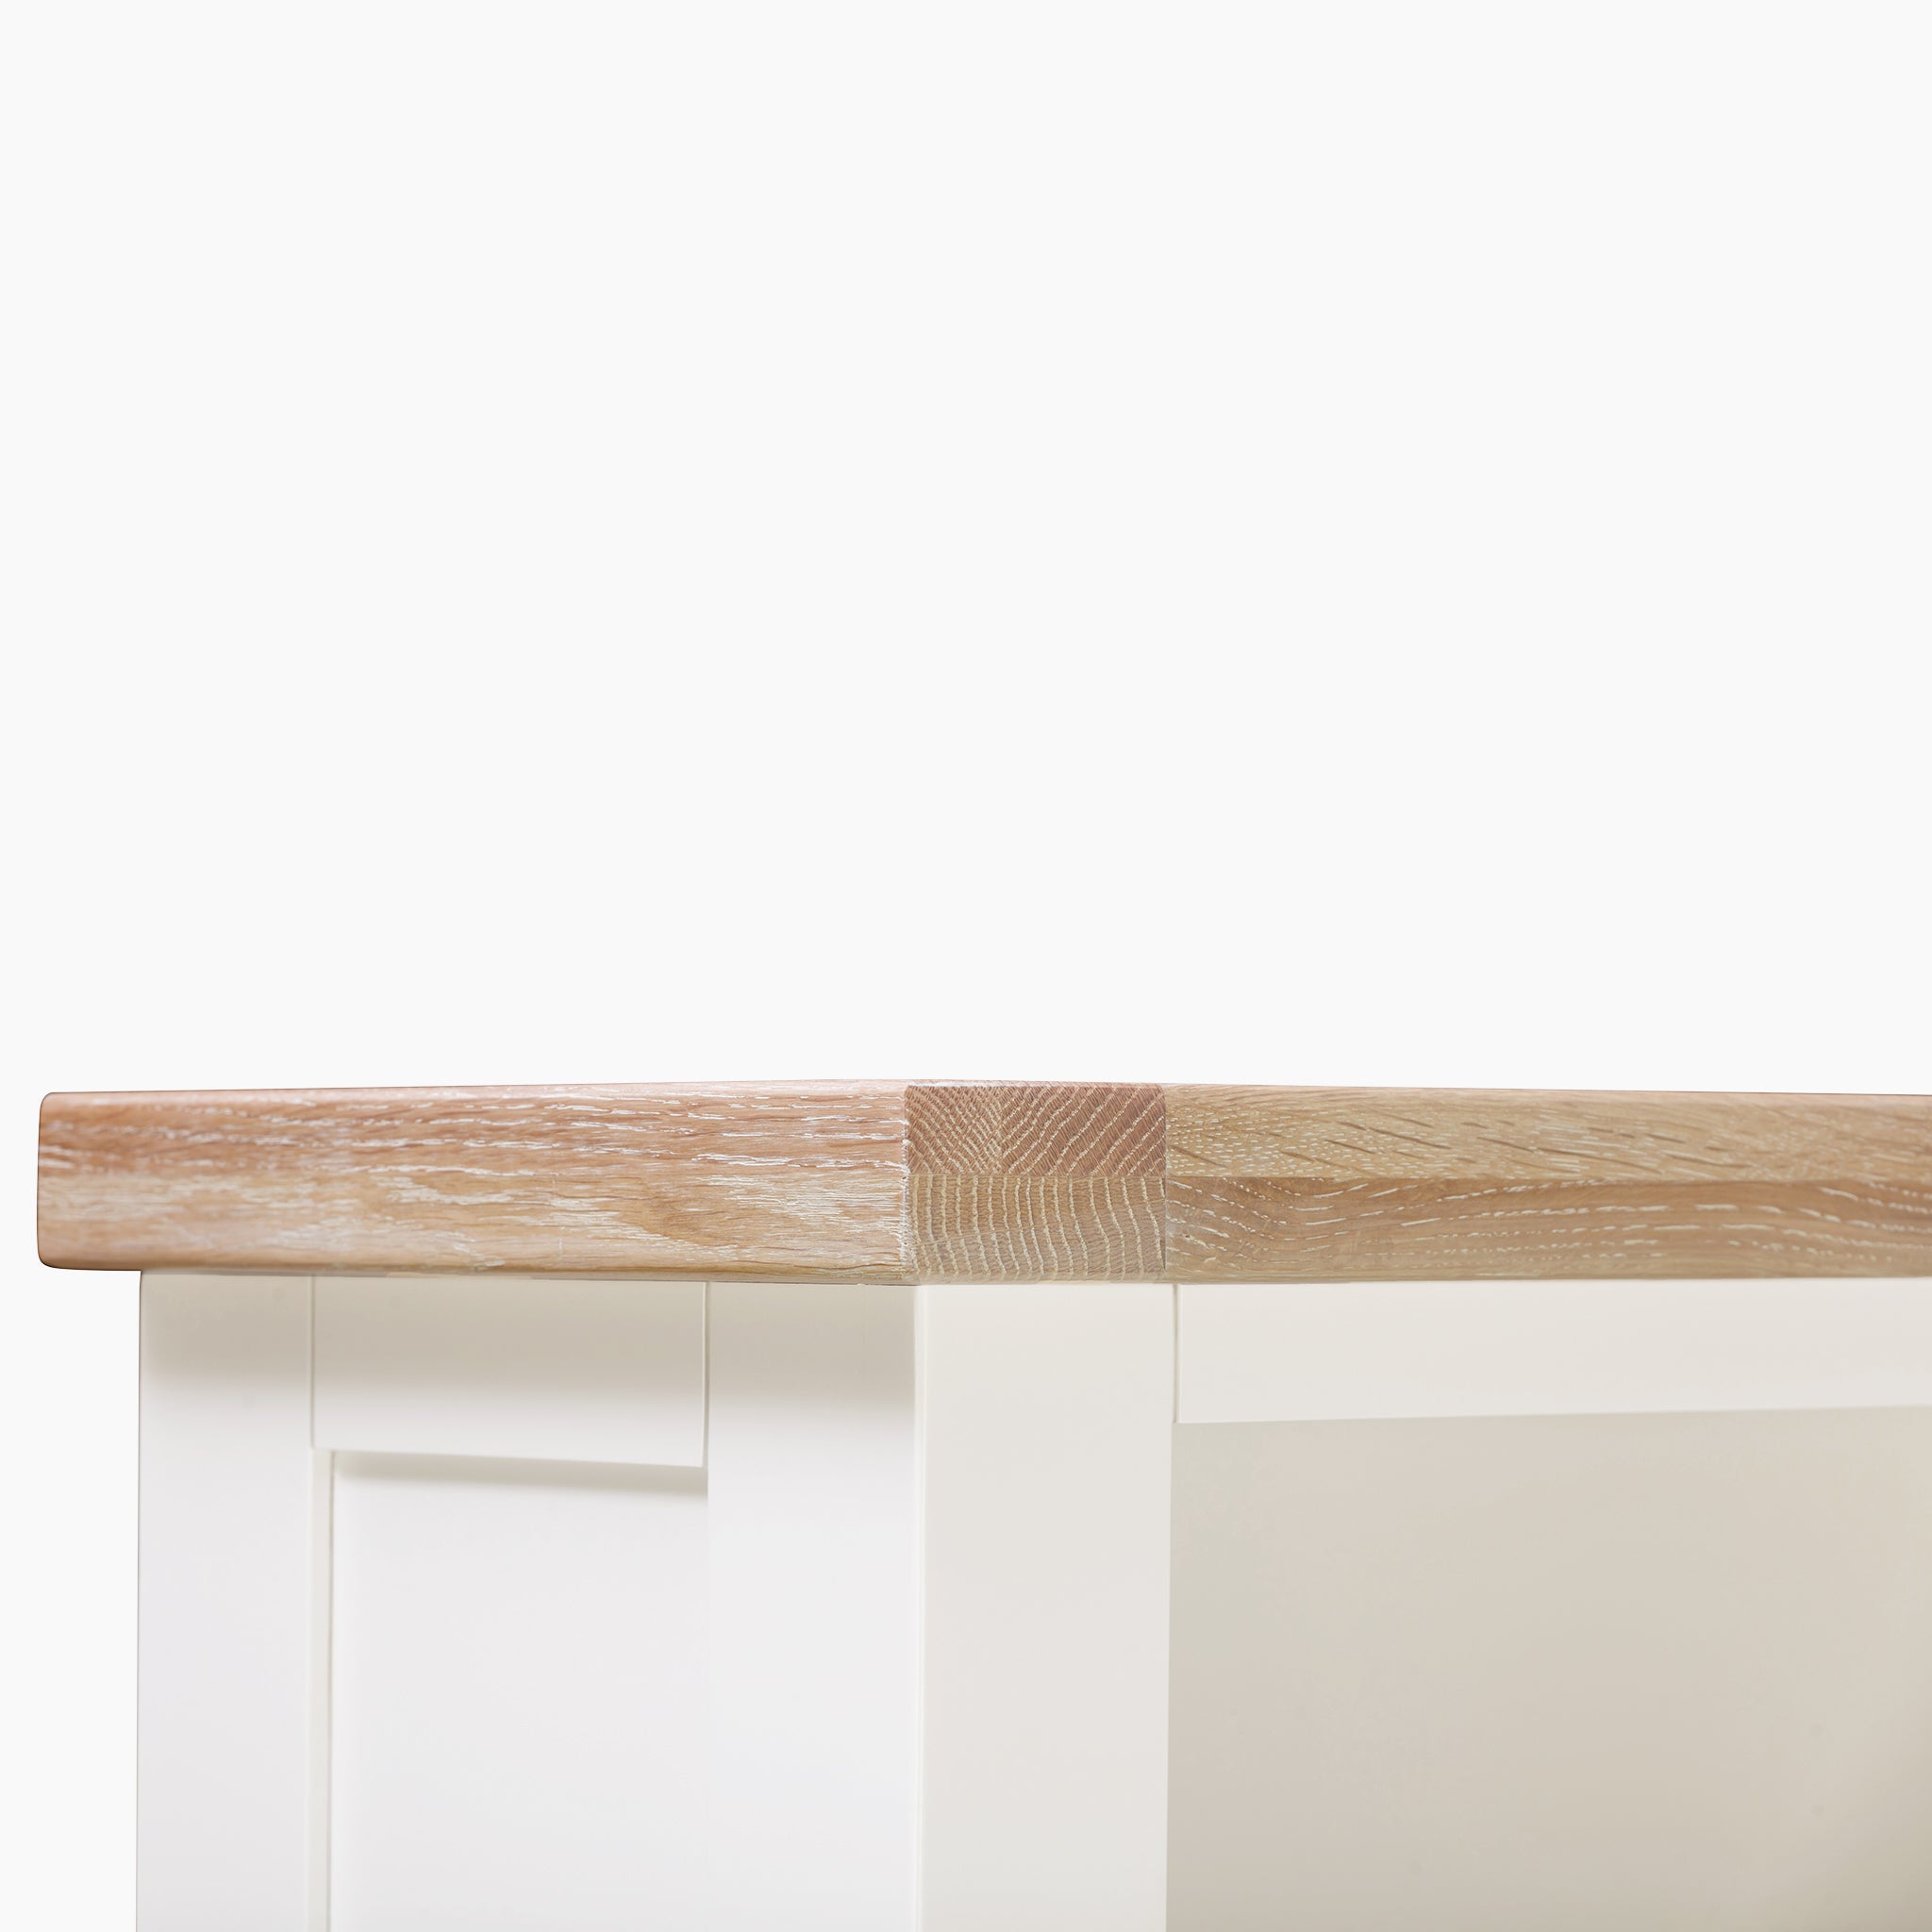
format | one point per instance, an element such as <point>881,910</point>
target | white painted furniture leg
<point>1048,1424</point>
<point>813,1502</point>
<point>226,1554</point>
<point>1037,1480</point>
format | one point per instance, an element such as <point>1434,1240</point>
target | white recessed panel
<point>569,1371</point>
<point>1554,1674</point>
<point>1383,1350</point>
<point>518,1698</point>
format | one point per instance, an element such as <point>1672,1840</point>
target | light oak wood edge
<point>936,1180</point>
<point>1427,1134</point>
<point>1036,1128</point>
<point>1367,1184</point>
<point>802,1180</point>
<point>1037,1181</point>
<point>1050,1227</point>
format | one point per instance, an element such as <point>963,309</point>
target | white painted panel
<point>226,1489</point>
<point>1284,1352</point>
<point>518,1698</point>
<point>1570,1673</point>
<point>1048,1423</point>
<point>574,1370</point>
<point>813,1600</point>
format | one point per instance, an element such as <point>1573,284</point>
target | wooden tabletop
<point>1023,1181</point>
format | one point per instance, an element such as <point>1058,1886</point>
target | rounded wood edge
<point>828,1180</point>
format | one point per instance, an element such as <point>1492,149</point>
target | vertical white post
<point>226,1545</point>
<point>1048,1426</point>
<point>814,1500</point>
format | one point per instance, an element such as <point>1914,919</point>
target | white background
<point>1326,543</point>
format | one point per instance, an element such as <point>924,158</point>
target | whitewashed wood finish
<point>519,1696</point>
<point>227,1658</point>
<point>1035,1182</point>
<point>578,1371</point>
<point>1009,1181</point>
<point>814,1605</point>
<point>1327,1184</point>
<point>1311,1352</point>
<point>783,1179</point>
<point>1354,1135</point>
<point>1047,1418</point>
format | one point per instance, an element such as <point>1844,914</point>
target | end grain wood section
<point>1328,1184</point>
<point>1018,1181</point>
<point>769,1180</point>
<point>1037,1182</point>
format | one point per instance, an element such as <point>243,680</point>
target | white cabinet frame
<point>934,1576</point>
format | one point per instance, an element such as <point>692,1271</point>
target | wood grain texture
<point>1333,1183</point>
<point>771,1181</point>
<point>1043,1182</point>
<point>1041,1227</point>
<point>1036,1128</point>
<point>1015,1181</point>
